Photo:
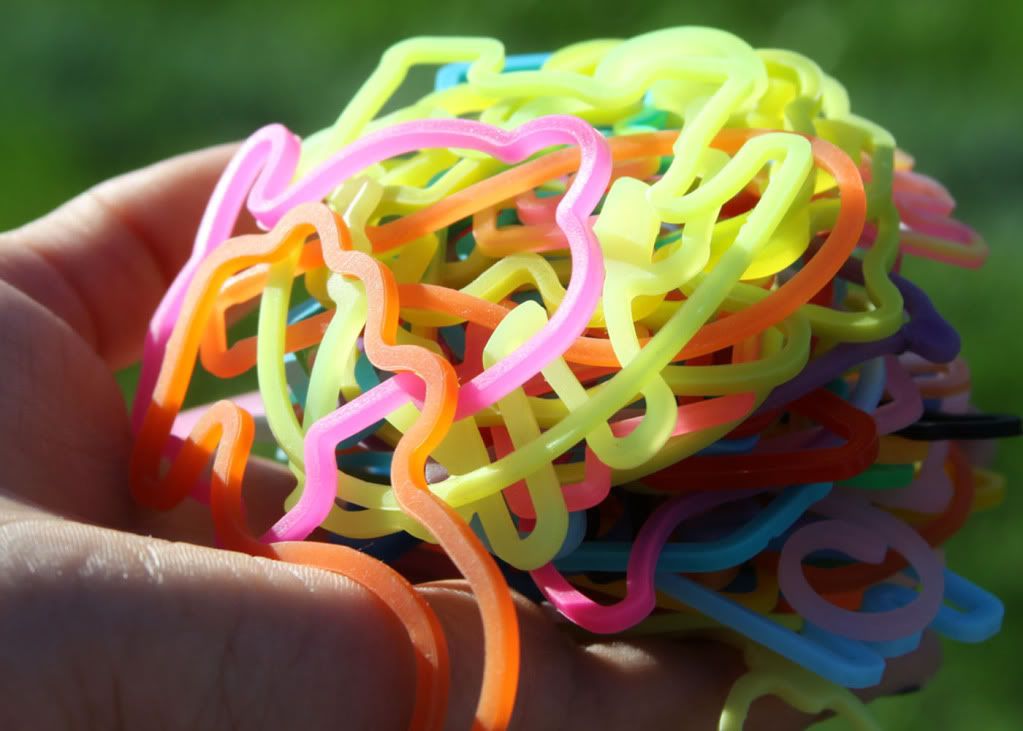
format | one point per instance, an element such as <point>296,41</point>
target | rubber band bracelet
<point>940,426</point>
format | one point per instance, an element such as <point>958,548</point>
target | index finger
<point>102,260</point>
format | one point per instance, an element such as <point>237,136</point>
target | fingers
<point>611,684</point>
<point>65,441</point>
<point>267,485</point>
<point>108,630</point>
<point>64,438</point>
<point>622,684</point>
<point>102,261</point>
<point>123,629</point>
<point>605,685</point>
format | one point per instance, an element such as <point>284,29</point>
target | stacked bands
<point>621,326</point>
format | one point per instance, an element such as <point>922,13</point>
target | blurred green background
<point>91,91</point>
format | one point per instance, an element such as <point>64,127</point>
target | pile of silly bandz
<point>620,327</point>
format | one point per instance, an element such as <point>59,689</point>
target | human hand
<point>111,616</point>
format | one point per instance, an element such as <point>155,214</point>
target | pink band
<point>864,533</point>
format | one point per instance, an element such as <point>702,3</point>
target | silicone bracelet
<point>778,469</point>
<point>938,426</point>
<point>866,395</point>
<point>734,550</point>
<point>848,663</point>
<point>931,490</point>
<point>226,431</point>
<point>523,455</point>
<point>714,289</point>
<point>455,73</point>
<point>935,532</point>
<point>639,603</point>
<point>500,626</point>
<point>926,333</point>
<point>858,530</point>
<point>977,615</point>
<point>500,673</point>
<point>410,227</point>
<point>264,164</point>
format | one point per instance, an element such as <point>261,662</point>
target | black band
<point>937,426</point>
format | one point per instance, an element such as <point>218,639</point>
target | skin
<point>112,617</point>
